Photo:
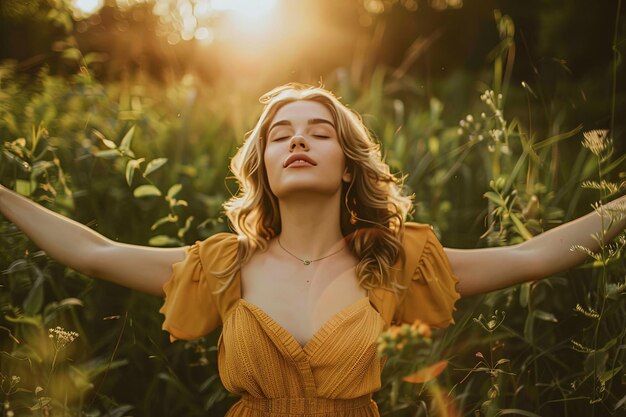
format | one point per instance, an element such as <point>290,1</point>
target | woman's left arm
<point>483,270</point>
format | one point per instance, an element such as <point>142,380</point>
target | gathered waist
<point>305,405</point>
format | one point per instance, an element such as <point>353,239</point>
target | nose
<point>298,142</point>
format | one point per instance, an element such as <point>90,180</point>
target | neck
<point>310,225</point>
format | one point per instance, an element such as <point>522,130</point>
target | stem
<point>615,63</point>
<point>54,361</point>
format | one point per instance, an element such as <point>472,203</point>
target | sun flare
<point>245,8</point>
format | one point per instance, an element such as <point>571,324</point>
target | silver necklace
<point>308,261</point>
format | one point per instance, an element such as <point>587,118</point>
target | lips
<point>298,157</point>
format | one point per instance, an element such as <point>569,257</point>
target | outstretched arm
<point>141,268</point>
<point>483,270</point>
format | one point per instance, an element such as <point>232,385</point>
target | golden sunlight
<point>85,8</point>
<point>249,9</point>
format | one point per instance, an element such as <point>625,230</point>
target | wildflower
<point>421,328</point>
<point>459,131</point>
<point>580,248</point>
<point>61,337</point>
<point>597,141</point>
<point>607,186</point>
<point>578,347</point>
<point>480,137</point>
<point>492,322</point>
<point>469,118</point>
<point>495,134</point>
<point>483,115</point>
<point>591,313</point>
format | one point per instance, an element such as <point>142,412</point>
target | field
<point>496,149</point>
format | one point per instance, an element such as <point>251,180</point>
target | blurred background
<point>124,114</point>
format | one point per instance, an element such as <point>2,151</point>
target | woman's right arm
<point>142,268</point>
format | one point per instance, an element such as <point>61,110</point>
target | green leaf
<point>183,230</point>
<point>92,57</point>
<point>32,320</point>
<point>128,137</point>
<point>154,165</point>
<point>495,198</point>
<point>107,154</point>
<point>516,412</point>
<point>521,229</point>
<point>146,191</point>
<point>529,325</point>
<point>34,299</point>
<point>40,167</point>
<point>543,315</point>
<point>164,240</point>
<point>606,376</point>
<point>181,203</point>
<point>606,170</point>
<point>119,411</point>
<point>72,54</point>
<point>108,143</point>
<point>41,401</point>
<point>167,219</point>
<point>596,361</point>
<point>130,169</point>
<point>99,365</point>
<point>502,361</point>
<point>524,294</point>
<point>174,189</point>
<point>25,188</point>
<point>558,138</point>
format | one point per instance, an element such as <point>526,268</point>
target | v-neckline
<point>309,345</point>
<point>318,336</point>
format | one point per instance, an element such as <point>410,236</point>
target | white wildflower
<point>597,141</point>
<point>61,337</point>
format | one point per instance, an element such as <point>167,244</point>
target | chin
<point>306,190</point>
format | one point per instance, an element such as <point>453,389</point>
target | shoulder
<point>216,251</point>
<point>431,285</point>
<point>416,237</point>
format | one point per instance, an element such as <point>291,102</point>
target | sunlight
<point>248,9</point>
<point>85,8</point>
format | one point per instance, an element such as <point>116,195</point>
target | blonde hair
<point>374,194</point>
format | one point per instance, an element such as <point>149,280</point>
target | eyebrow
<point>309,122</point>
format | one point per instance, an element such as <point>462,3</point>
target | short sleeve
<point>431,292</point>
<point>191,309</point>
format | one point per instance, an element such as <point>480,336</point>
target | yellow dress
<point>338,370</point>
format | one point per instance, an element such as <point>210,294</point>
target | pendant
<point>306,262</point>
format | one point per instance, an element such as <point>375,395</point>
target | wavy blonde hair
<point>374,194</point>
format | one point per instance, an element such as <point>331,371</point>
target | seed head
<point>597,141</point>
<point>61,337</point>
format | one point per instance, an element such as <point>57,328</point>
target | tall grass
<point>146,164</point>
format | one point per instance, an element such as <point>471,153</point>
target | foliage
<point>144,163</point>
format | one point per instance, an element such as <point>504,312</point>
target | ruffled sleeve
<point>191,309</point>
<point>431,292</point>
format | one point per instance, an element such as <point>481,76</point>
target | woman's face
<point>302,154</point>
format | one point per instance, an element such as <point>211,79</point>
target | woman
<point>320,263</point>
